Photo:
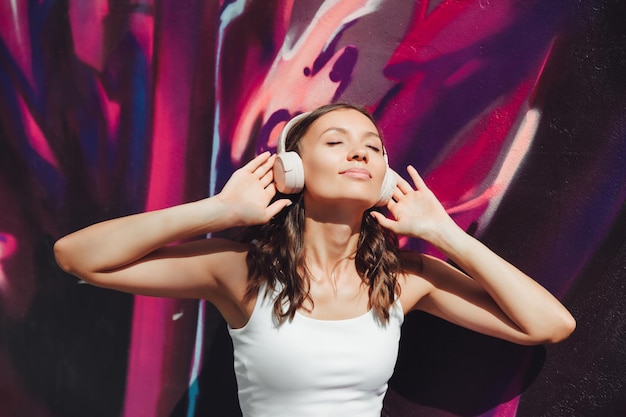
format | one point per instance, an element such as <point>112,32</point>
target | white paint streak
<point>231,12</point>
<point>288,52</point>
<point>285,86</point>
<point>512,163</point>
<point>16,22</point>
<point>492,196</point>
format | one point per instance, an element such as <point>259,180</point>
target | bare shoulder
<point>225,261</point>
<point>413,285</point>
<point>423,275</point>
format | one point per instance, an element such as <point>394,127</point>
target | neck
<point>331,238</point>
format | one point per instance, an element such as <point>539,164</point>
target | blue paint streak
<point>138,128</point>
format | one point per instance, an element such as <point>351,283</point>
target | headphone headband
<point>283,134</point>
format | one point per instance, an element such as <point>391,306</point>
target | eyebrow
<point>345,132</point>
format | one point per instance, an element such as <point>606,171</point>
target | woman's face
<point>342,155</point>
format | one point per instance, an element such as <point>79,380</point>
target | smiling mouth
<point>357,173</point>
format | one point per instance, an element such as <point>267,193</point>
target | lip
<point>359,173</point>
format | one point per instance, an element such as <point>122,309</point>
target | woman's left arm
<point>499,300</point>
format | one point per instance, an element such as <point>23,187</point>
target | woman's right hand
<point>249,191</point>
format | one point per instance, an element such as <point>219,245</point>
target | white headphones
<point>289,172</point>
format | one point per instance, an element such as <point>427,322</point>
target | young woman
<point>315,298</point>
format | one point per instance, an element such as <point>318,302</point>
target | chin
<point>358,201</point>
<point>353,196</point>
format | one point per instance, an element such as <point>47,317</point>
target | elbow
<point>65,256</point>
<point>61,255</point>
<point>564,329</point>
<point>554,331</point>
<point>560,330</point>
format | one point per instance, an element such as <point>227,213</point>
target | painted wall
<point>513,111</point>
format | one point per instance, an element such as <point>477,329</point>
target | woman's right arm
<point>139,254</point>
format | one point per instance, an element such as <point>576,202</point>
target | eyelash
<point>372,147</point>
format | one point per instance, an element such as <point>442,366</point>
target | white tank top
<point>314,368</point>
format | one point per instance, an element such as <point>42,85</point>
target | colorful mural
<point>512,110</point>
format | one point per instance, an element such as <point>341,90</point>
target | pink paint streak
<point>86,20</point>
<point>445,30</point>
<point>35,136</point>
<point>157,371</point>
<point>111,111</point>
<point>142,27</point>
<point>285,86</point>
<point>483,142</point>
<point>149,334</point>
<point>8,245</point>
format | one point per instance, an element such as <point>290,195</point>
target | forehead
<point>348,121</point>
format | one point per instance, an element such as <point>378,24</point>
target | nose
<point>359,154</point>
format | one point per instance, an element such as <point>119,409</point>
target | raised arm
<point>498,299</point>
<point>138,253</point>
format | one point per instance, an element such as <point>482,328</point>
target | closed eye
<point>333,142</point>
<point>374,148</point>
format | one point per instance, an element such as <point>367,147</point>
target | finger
<point>266,166</point>
<point>383,221</point>
<point>264,170</point>
<point>398,193</point>
<point>257,161</point>
<point>267,179</point>
<point>403,186</point>
<point>276,207</point>
<point>270,190</point>
<point>415,176</point>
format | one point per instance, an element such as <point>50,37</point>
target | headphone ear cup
<point>288,173</point>
<point>387,188</point>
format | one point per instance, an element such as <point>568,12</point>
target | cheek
<point>381,176</point>
<point>318,173</point>
<point>379,169</point>
<point>317,163</point>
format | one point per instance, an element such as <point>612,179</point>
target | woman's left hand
<point>416,211</point>
<point>499,300</point>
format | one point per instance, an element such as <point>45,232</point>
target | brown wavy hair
<point>277,254</point>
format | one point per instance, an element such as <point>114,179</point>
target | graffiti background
<point>513,111</point>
